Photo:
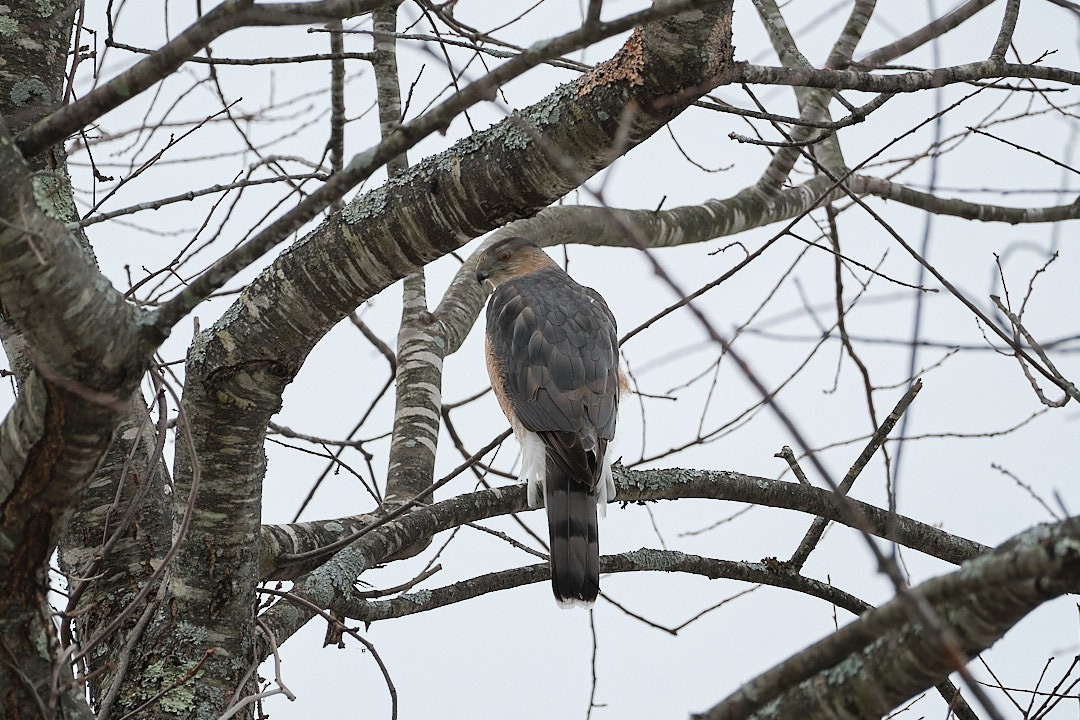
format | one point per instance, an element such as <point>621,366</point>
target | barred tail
<point>575,550</point>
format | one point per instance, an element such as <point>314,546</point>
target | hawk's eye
<point>504,255</point>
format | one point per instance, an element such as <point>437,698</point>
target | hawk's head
<point>510,258</point>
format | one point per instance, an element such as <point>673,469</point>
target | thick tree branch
<point>872,665</point>
<point>845,45</point>
<point>421,347</point>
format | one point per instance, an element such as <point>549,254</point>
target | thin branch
<point>907,82</point>
<point>1060,164</point>
<point>817,529</point>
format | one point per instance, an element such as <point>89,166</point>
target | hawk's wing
<point>555,352</point>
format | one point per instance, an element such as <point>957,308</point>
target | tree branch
<point>643,560</point>
<point>146,73</point>
<point>956,207</point>
<point>868,667</point>
<point>925,34</point>
<point>905,82</point>
<point>706,72</point>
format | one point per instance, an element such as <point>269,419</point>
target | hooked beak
<point>481,275</point>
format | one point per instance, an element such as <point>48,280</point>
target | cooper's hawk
<point>552,355</point>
